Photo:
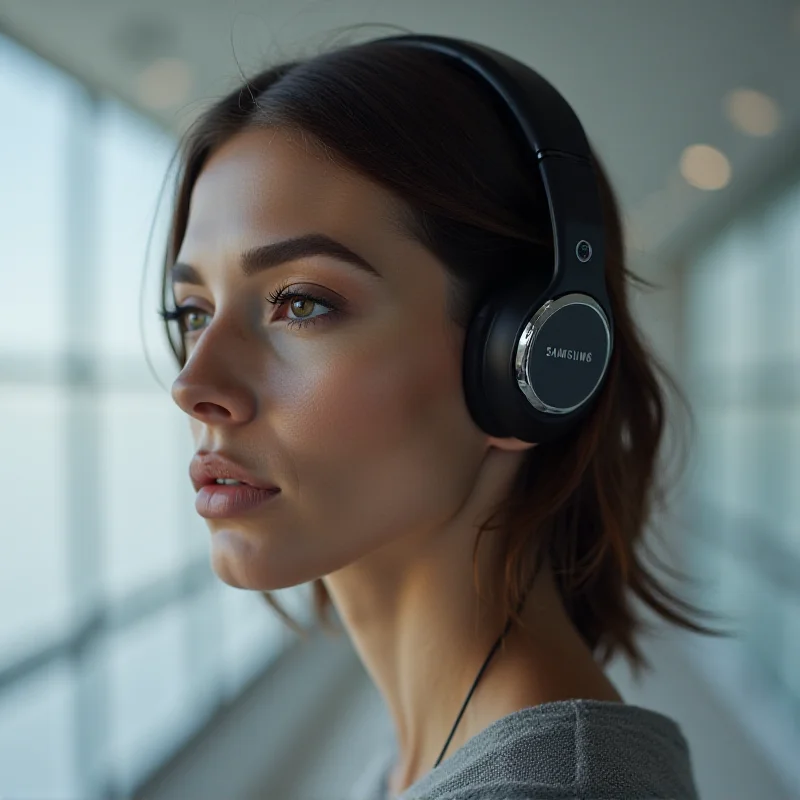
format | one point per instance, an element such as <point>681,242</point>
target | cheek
<point>379,438</point>
<point>365,401</point>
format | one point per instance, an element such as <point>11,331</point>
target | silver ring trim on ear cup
<point>528,339</point>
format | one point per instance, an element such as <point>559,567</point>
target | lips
<point>223,502</point>
<point>205,468</point>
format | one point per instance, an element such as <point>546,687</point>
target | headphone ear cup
<point>503,397</point>
<point>476,391</point>
<point>490,385</point>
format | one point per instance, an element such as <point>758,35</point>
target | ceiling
<point>646,78</point>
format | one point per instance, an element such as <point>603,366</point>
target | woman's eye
<point>191,315</point>
<point>185,316</point>
<point>300,305</point>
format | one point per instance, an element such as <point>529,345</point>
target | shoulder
<point>566,749</point>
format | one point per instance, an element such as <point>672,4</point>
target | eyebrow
<point>274,254</point>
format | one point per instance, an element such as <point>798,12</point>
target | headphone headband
<point>543,115</point>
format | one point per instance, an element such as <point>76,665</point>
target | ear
<point>509,444</point>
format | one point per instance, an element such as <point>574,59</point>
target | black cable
<point>475,683</point>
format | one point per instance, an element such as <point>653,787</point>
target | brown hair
<point>409,121</point>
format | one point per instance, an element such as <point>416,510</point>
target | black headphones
<point>535,359</point>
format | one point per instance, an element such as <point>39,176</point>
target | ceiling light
<point>165,83</point>
<point>752,112</point>
<point>705,167</point>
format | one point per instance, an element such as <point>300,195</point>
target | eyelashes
<point>178,315</point>
<point>279,297</point>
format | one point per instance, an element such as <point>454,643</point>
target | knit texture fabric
<point>565,750</point>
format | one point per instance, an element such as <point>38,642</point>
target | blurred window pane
<point>790,530</point>
<point>34,567</point>
<point>712,476</point>
<point>141,510</point>
<point>134,158</point>
<point>249,635</point>
<point>770,463</point>
<point>780,290</point>
<point>37,739</point>
<point>789,670</point>
<point>149,702</point>
<point>81,182</point>
<point>36,100</point>
<point>792,266</point>
<point>723,319</point>
<point>204,631</point>
<point>742,345</point>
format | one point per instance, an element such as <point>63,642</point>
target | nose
<point>212,387</point>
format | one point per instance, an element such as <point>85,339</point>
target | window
<point>122,641</point>
<point>36,102</point>
<point>743,356</point>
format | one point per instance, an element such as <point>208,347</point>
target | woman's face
<point>358,414</point>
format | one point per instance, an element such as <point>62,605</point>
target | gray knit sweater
<point>565,750</point>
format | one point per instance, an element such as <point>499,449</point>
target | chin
<point>238,563</point>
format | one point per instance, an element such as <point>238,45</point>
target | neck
<point>423,643</point>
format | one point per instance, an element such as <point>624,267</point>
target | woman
<point>337,222</point>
